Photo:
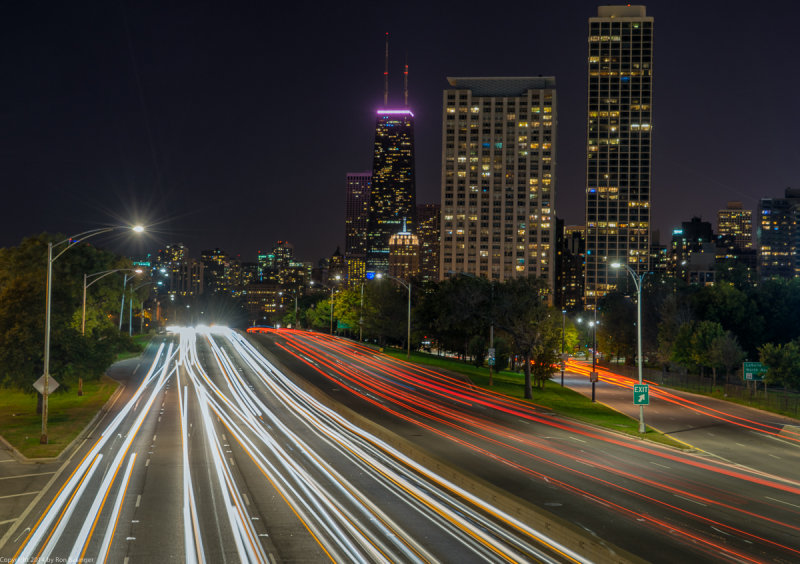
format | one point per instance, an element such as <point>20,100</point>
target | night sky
<point>233,124</point>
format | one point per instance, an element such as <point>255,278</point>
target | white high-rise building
<point>620,123</point>
<point>498,178</point>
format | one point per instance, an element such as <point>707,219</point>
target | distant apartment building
<point>184,274</point>
<point>428,225</point>
<point>570,258</point>
<point>693,252</point>
<point>736,224</point>
<point>498,178</point>
<point>619,128</point>
<point>779,236</point>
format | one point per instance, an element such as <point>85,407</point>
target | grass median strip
<point>562,401</point>
<point>68,415</point>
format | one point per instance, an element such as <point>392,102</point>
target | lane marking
<point>26,475</point>
<point>7,522</point>
<point>690,499</point>
<point>781,501</point>
<point>138,500</point>
<point>18,495</point>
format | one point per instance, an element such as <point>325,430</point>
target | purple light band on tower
<point>396,112</point>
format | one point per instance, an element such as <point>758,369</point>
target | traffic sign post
<point>641,394</point>
<point>753,371</point>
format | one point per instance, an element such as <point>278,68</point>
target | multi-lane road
<point>215,454</point>
<point>660,504</point>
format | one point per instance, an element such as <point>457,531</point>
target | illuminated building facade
<point>404,255</point>
<point>779,236</point>
<point>570,257</point>
<point>620,117</point>
<point>498,178</point>
<point>393,193</point>
<point>356,218</point>
<point>428,225</point>
<point>736,224</point>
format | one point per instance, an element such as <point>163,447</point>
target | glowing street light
<point>69,242</point>
<point>97,277</point>
<point>637,280</point>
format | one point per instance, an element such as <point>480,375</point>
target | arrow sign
<point>641,394</point>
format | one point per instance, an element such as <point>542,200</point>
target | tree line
<point>73,355</point>
<point>706,329</point>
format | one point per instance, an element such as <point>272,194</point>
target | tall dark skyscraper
<point>620,118</point>
<point>393,194</point>
<point>356,213</point>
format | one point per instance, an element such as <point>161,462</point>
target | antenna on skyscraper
<point>386,74</point>
<point>405,83</point>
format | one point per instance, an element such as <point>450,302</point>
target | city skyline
<point>204,122</point>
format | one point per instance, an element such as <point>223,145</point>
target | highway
<point>215,454</point>
<point>660,504</point>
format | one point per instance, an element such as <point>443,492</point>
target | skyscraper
<point>498,178</point>
<point>355,220</point>
<point>393,194</point>
<point>620,118</point>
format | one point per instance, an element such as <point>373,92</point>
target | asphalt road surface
<point>660,504</point>
<point>214,454</point>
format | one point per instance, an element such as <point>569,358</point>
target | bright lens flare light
<point>138,228</point>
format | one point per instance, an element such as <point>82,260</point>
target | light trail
<point>385,384</point>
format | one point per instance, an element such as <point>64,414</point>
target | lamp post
<point>408,331</point>
<point>130,310</point>
<point>637,281</point>
<point>563,337</point>
<point>97,277</point>
<point>331,288</point>
<point>593,374</point>
<point>70,242</point>
<point>361,316</point>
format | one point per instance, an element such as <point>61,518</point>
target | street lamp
<point>70,242</point>
<point>97,277</point>
<point>637,281</point>
<point>331,288</point>
<point>563,337</point>
<point>408,286</point>
<point>130,307</point>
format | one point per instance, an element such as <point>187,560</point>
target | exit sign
<point>641,394</point>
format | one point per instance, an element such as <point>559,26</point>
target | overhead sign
<point>753,371</point>
<point>641,394</point>
<point>51,385</point>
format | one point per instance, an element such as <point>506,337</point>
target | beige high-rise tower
<point>498,178</point>
<point>620,124</point>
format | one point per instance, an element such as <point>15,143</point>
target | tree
<point>783,364</point>
<point>725,353</point>
<point>533,327</point>
<point>702,337</point>
<point>22,311</point>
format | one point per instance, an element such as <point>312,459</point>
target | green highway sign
<point>753,371</point>
<point>641,394</point>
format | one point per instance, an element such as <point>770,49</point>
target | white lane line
<point>18,495</point>
<point>26,475</point>
<point>7,522</point>
<point>7,460</point>
<point>692,500</point>
<point>138,500</point>
<point>662,465</point>
<point>781,501</point>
